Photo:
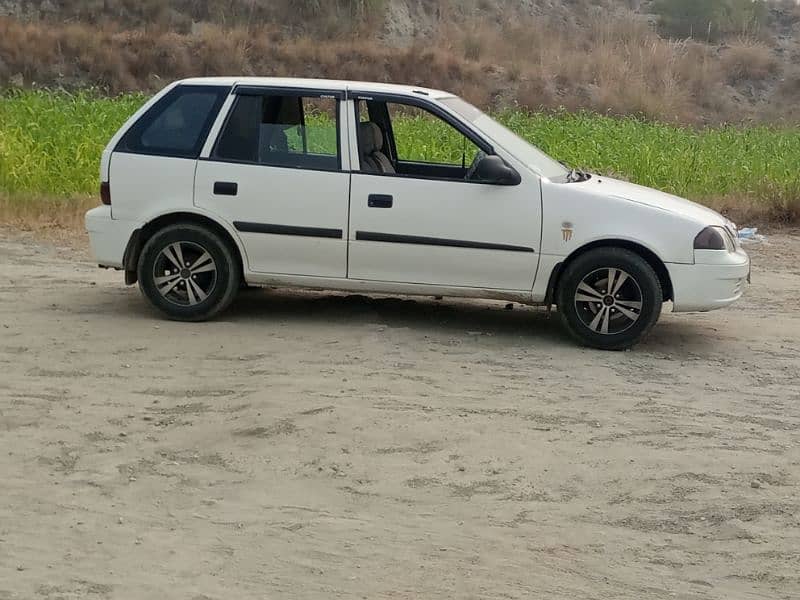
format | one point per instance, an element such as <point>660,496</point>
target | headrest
<point>370,137</point>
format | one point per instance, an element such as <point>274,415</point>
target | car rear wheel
<point>609,298</point>
<point>188,272</point>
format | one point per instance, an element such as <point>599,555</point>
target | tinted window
<point>284,131</point>
<point>178,123</point>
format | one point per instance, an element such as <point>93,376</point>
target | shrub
<point>748,61</point>
<point>710,20</point>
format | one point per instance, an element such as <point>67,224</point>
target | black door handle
<point>380,201</point>
<point>226,188</point>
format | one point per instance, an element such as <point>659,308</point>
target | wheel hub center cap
<point>608,301</point>
<point>186,273</point>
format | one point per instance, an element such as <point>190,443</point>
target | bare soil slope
<point>313,445</point>
<point>600,55</point>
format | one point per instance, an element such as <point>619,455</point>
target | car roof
<point>329,84</point>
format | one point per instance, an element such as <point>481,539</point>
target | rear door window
<point>178,124</point>
<point>282,131</point>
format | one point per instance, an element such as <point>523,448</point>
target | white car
<point>218,183</point>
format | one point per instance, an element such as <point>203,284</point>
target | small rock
<point>120,520</point>
<point>20,568</point>
<point>509,306</point>
<point>755,484</point>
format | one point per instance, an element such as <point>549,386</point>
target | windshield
<point>534,158</point>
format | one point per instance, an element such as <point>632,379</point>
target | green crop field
<point>50,145</point>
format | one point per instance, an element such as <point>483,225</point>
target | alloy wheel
<point>608,301</point>
<point>185,273</point>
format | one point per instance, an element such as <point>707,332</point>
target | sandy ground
<point>313,445</point>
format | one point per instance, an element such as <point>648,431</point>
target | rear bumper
<point>704,287</point>
<point>108,237</point>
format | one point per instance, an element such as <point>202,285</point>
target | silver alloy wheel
<point>608,301</point>
<point>185,273</point>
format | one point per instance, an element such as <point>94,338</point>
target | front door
<point>275,173</point>
<point>416,217</point>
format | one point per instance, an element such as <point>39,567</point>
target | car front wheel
<point>188,272</point>
<point>609,298</point>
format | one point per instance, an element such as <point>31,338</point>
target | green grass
<point>50,145</point>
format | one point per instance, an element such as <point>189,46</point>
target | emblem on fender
<point>566,231</point>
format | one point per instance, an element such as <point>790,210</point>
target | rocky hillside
<point>657,58</point>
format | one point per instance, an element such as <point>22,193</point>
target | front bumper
<point>108,237</point>
<point>702,286</point>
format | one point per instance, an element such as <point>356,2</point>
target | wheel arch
<point>140,237</point>
<point>648,255</point>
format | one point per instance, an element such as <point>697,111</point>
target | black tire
<point>597,317</point>
<point>189,297</point>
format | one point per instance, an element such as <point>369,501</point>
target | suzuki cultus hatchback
<point>217,183</point>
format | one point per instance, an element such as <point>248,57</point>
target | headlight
<point>715,238</point>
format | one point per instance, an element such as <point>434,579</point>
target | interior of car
<point>383,152</point>
<point>273,130</point>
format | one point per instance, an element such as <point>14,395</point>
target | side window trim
<point>218,127</point>
<point>431,107</point>
<point>263,90</point>
<point>158,108</point>
<point>210,149</point>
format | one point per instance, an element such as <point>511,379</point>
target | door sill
<point>385,287</point>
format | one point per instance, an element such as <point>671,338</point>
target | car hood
<point>655,199</point>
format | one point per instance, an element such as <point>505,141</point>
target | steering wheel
<point>474,166</point>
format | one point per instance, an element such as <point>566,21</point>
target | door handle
<point>226,188</point>
<point>380,201</point>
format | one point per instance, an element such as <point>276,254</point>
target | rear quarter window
<point>178,124</point>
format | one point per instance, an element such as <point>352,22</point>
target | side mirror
<point>493,169</point>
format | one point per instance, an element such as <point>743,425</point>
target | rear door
<point>276,173</point>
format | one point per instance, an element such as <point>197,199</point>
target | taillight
<point>105,193</point>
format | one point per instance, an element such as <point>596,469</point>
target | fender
<point>190,213</point>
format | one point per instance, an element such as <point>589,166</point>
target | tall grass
<point>761,163</point>
<point>50,145</point>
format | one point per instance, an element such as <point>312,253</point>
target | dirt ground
<point>314,445</point>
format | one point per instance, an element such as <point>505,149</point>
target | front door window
<point>398,138</point>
